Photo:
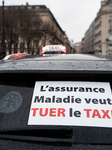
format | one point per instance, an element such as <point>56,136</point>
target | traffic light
<point>100,52</point>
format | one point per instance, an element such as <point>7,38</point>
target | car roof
<point>70,62</point>
<point>74,57</point>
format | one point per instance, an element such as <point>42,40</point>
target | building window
<point>36,18</point>
<point>36,27</point>
<point>110,8</point>
<point>110,27</point>
<point>22,45</point>
<point>111,18</point>
<point>29,7</point>
<point>16,7</point>
<point>5,7</point>
<point>22,7</point>
<point>110,48</point>
<point>37,7</point>
<point>110,37</point>
<point>11,7</point>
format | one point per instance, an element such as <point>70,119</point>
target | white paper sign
<point>71,103</point>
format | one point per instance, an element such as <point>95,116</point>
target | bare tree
<point>25,24</point>
<point>31,30</point>
<point>11,28</point>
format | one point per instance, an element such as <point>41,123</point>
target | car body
<point>16,56</point>
<point>18,78</point>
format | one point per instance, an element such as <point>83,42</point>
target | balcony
<point>98,25</point>
<point>99,33</point>
<point>105,11</point>
<point>97,43</point>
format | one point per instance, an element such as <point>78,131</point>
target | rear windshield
<point>53,52</point>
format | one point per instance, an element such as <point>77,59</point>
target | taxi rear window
<point>28,78</point>
<point>53,52</point>
<point>20,86</point>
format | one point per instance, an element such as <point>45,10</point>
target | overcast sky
<point>74,16</point>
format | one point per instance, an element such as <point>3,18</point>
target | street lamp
<point>3,38</point>
<point>107,52</point>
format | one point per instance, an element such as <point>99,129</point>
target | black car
<point>47,87</point>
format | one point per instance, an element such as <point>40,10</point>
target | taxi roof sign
<point>53,48</point>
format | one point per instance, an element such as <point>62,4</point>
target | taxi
<point>16,56</point>
<point>61,102</point>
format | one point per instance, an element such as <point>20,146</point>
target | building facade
<point>98,38</point>
<point>31,28</point>
<point>82,46</point>
<point>89,39</point>
<point>77,47</point>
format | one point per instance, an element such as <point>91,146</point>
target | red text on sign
<point>51,112</point>
<point>54,47</point>
<point>97,113</point>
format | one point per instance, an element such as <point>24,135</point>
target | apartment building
<point>77,47</point>
<point>30,38</point>
<point>89,39</point>
<point>82,46</point>
<point>98,38</point>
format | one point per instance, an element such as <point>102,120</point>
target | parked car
<point>16,56</point>
<point>61,102</point>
